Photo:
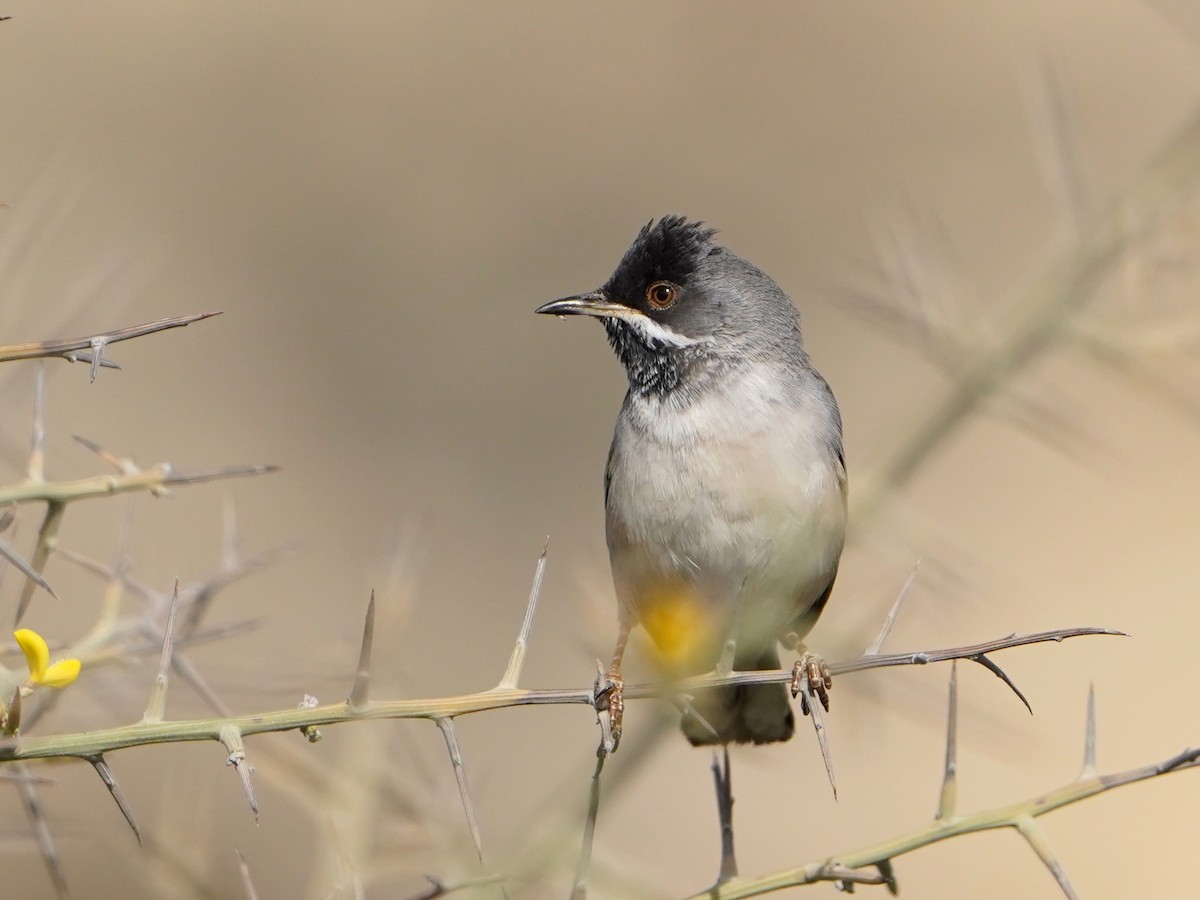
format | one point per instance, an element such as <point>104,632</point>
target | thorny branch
<point>93,743</point>
<point>947,824</point>
<point>57,494</point>
<point>90,349</point>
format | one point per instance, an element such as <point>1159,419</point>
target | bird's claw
<point>811,677</point>
<point>608,698</point>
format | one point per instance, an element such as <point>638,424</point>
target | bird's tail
<point>744,713</point>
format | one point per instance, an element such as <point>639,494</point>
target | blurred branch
<point>160,476</point>
<point>41,830</point>
<point>437,888</point>
<point>1044,317</point>
<point>1139,370</point>
<point>58,494</point>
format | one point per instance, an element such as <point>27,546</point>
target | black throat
<point>654,367</point>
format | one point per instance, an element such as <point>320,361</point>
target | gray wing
<point>804,622</point>
<point>608,470</point>
<point>612,449</point>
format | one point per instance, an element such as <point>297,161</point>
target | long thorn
<point>247,883</point>
<point>818,722</point>
<point>1089,737</point>
<point>9,552</point>
<point>890,619</point>
<point>41,830</point>
<point>85,356</point>
<point>46,539</point>
<point>460,774</point>
<point>231,737</point>
<point>1032,833</point>
<point>947,802</point>
<point>12,715</point>
<point>114,789</point>
<point>202,475</point>
<point>97,355</point>
<point>513,673</point>
<point>359,693</point>
<point>123,464</point>
<point>888,871</point>
<point>995,669</point>
<point>583,865</point>
<point>723,780</point>
<point>158,694</point>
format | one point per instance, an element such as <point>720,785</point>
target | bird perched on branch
<point>725,489</point>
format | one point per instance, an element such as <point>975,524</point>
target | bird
<point>725,487</point>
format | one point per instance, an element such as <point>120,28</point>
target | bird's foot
<point>811,677</point>
<point>811,681</point>
<point>608,698</point>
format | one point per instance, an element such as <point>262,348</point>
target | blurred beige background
<point>377,195</point>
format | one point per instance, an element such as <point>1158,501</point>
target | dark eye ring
<point>662,295</point>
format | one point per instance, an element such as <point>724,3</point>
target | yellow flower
<point>37,657</point>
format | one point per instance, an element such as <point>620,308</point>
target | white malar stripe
<point>657,331</point>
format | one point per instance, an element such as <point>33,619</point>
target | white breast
<point>737,492</point>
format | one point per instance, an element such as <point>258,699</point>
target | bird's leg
<point>722,777</point>
<point>608,694</point>
<point>810,674</point>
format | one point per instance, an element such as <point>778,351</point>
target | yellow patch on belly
<point>680,623</point>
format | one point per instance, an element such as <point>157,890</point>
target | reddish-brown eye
<point>662,295</point>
